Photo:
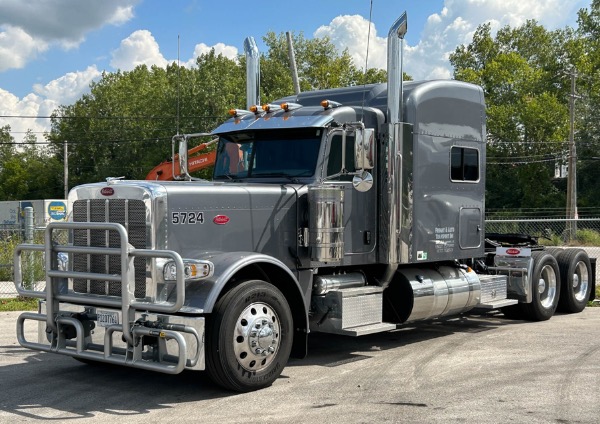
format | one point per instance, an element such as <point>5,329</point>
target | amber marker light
<point>329,104</point>
<point>239,112</point>
<point>270,108</point>
<point>290,106</point>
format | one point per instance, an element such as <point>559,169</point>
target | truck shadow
<point>58,388</point>
<point>331,350</point>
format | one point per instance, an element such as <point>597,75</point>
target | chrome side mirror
<point>364,148</point>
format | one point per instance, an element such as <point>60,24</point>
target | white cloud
<point>17,47</point>
<point>43,102</point>
<point>29,106</point>
<point>140,48</point>
<point>456,23</point>
<point>229,52</point>
<point>68,88</point>
<point>347,32</point>
<point>444,31</point>
<point>28,28</point>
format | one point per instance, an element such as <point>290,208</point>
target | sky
<point>51,50</point>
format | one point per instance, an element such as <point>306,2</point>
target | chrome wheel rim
<point>547,286</point>
<point>580,281</point>
<point>256,338</point>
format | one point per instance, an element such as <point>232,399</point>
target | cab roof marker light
<point>270,107</point>
<point>255,109</point>
<point>239,112</point>
<point>330,104</point>
<point>290,106</point>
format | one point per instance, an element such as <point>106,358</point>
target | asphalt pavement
<point>471,369</point>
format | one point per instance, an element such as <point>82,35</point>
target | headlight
<point>194,270</point>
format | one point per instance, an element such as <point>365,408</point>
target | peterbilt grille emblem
<point>221,219</point>
<point>107,191</point>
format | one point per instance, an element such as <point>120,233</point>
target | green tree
<point>125,125</point>
<point>587,54</point>
<point>29,171</point>
<point>320,66</point>
<point>523,73</point>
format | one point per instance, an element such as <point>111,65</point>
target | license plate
<point>107,318</point>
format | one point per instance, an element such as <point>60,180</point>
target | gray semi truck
<point>349,211</point>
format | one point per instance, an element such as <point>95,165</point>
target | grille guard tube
<point>106,356</point>
<point>127,253</point>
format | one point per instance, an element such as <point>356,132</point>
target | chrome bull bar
<point>57,291</point>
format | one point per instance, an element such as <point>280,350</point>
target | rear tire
<point>575,273</point>
<point>249,337</point>
<point>554,251</point>
<point>545,287</point>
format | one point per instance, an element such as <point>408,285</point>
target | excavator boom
<point>166,171</point>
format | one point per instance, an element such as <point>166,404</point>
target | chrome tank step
<point>497,304</point>
<point>493,292</point>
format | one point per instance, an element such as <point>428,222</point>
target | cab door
<point>360,208</point>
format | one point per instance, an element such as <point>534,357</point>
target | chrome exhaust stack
<point>252,72</point>
<point>391,181</point>
<point>394,69</point>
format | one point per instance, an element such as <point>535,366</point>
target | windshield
<point>285,153</point>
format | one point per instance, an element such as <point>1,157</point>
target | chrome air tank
<point>436,292</point>
<point>326,228</point>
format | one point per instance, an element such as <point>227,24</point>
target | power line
<point>140,117</point>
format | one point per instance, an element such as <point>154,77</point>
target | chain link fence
<point>32,263</point>
<point>583,233</point>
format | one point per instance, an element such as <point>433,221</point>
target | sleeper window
<point>464,164</point>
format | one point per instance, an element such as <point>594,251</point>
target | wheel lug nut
<point>253,334</point>
<point>258,351</point>
<point>253,344</point>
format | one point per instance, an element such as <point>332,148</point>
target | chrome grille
<point>132,215</point>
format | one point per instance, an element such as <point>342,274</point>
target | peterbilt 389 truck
<point>349,211</point>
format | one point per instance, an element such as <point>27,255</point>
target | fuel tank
<point>432,292</point>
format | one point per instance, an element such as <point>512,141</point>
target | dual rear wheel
<point>560,281</point>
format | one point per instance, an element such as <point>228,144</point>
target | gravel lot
<point>474,369</point>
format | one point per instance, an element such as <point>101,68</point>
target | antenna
<point>178,80</point>
<point>367,60</point>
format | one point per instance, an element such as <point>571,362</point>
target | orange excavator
<point>167,171</point>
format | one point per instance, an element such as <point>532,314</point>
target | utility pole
<point>66,163</point>
<point>572,171</point>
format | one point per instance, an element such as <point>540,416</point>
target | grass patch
<point>19,303</point>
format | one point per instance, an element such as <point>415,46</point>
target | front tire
<point>249,337</point>
<point>575,273</point>
<point>545,287</point>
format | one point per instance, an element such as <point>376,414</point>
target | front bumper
<point>152,334</point>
